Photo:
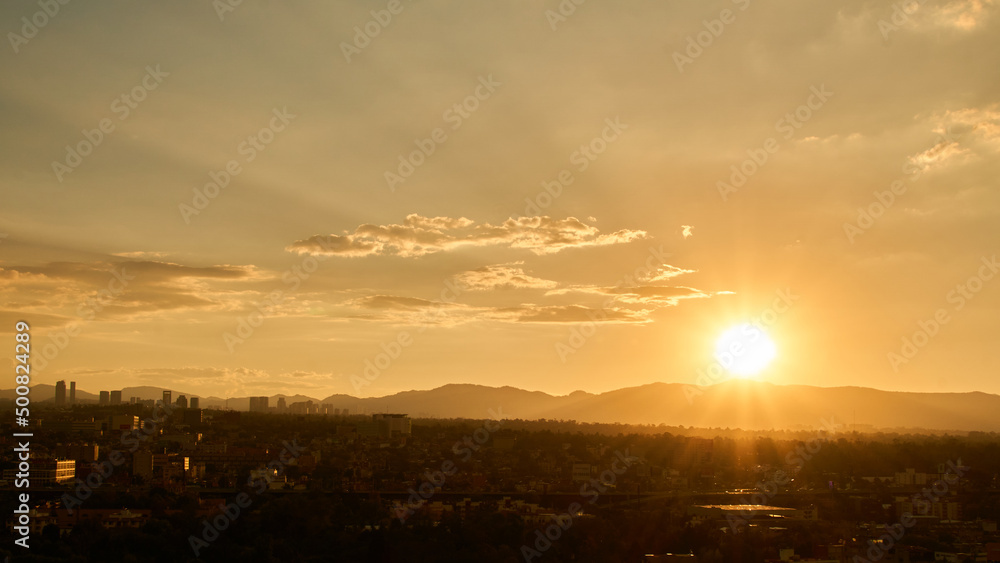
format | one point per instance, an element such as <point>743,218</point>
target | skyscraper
<point>195,403</point>
<point>105,398</point>
<point>60,393</point>
<point>116,397</point>
<point>258,404</point>
<point>182,402</point>
<point>167,397</point>
<point>72,392</point>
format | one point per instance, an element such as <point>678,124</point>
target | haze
<point>804,167</point>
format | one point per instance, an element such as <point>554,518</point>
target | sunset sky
<point>653,246</point>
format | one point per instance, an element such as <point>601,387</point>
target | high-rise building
<point>393,424</point>
<point>142,463</point>
<point>51,471</point>
<point>195,403</point>
<point>123,422</point>
<point>72,392</point>
<point>258,404</point>
<point>105,398</point>
<point>282,406</point>
<point>116,397</point>
<point>60,393</point>
<point>167,397</point>
<point>182,401</point>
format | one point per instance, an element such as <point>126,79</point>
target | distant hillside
<point>46,393</point>
<point>42,392</point>
<point>735,404</point>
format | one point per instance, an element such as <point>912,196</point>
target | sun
<point>745,350</point>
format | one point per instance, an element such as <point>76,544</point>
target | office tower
<point>60,393</point>
<point>182,401</point>
<point>72,392</point>
<point>195,403</point>
<point>105,398</point>
<point>167,397</point>
<point>116,397</point>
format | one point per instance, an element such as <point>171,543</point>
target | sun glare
<point>745,350</point>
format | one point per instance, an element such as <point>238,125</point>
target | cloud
<point>141,254</point>
<point>961,14</point>
<point>665,272</point>
<point>955,15</point>
<point>656,295</point>
<point>962,136</point>
<point>150,272</point>
<point>644,291</point>
<point>394,302</point>
<point>632,300</point>
<point>580,314</point>
<point>115,289</point>
<point>8,318</point>
<point>500,276</point>
<point>419,236</point>
<point>411,311</point>
<point>638,295</point>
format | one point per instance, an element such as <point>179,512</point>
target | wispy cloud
<point>411,311</point>
<point>501,276</point>
<point>57,290</point>
<point>419,236</point>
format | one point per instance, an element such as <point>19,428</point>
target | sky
<point>365,198</point>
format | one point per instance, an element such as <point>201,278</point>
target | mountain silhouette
<point>750,405</point>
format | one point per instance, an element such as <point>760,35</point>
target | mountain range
<point>750,405</point>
